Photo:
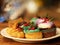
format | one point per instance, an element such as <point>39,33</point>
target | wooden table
<point>6,41</point>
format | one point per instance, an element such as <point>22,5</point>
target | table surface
<point>6,41</point>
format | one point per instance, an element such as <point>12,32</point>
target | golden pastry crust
<point>15,33</point>
<point>35,35</point>
<point>12,31</point>
<point>13,23</point>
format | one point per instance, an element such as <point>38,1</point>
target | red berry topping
<point>32,28</point>
<point>26,24</point>
<point>45,20</point>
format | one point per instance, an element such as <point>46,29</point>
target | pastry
<point>14,30</point>
<point>47,27</point>
<point>32,32</point>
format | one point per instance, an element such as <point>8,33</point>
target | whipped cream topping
<point>44,23</point>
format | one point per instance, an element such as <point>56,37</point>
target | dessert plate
<point>5,34</point>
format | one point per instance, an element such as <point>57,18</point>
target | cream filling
<point>45,25</point>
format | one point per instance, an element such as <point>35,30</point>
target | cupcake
<point>47,27</point>
<point>32,32</point>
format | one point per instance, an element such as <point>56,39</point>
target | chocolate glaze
<point>49,32</point>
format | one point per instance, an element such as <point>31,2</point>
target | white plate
<point>5,34</point>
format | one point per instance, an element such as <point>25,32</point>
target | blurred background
<point>13,9</point>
